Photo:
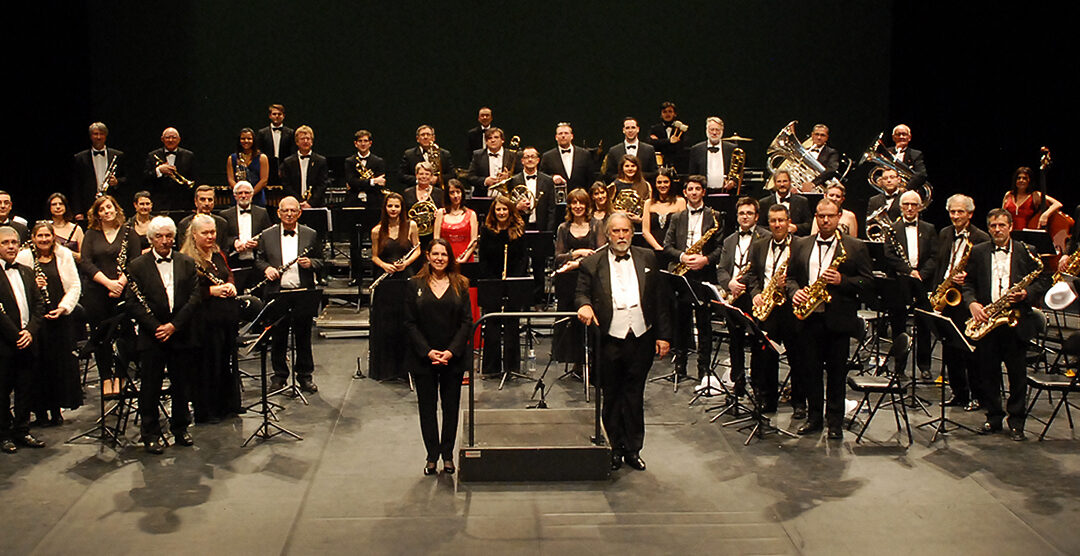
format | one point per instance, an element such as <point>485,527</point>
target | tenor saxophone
<point>696,248</point>
<point>818,293</point>
<point>1001,311</point>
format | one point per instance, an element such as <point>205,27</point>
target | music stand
<point>732,403</point>
<point>294,304</point>
<point>1039,239</point>
<point>318,219</point>
<point>105,334</point>
<point>500,294</point>
<point>951,336</point>
<point>541,247</point>
<point>683,289</point>
<point>264,430</point>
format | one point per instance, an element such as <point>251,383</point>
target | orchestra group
<point>628,225</point>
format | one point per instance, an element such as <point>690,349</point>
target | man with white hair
<point>243,223</point>
<point>910,158</point>
<point>912,255</point>
<point>21,311</point>
<point>712,156</point>
<point>162,296</point>
<point>163,170</point>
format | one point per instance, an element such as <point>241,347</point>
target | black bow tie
<point>530,177</point>
<point>164,260</point>
<point>824,243</point>
<point>99,153</point>
<point>493,155</point>
<point>628,147</point>
<point>779,244</point>
<point>1004,249</point>
<point>620,258</point>
<point>911,224</point>
<point>565,151</point>
<point>303,156</point>
<point>697,211</point>
<point>714,149</point>
<point>167,153</point>
<point>962,235</point>
<point>276,128</point>
<point>746,233</point>
<point>783,199</point>
<point>889,197</point>
<point>815,149</point>
<point>245,211</point>
<point>288,233</point>
<point>9,266</point>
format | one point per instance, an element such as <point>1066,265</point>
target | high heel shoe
<point>430,469</point>
<point>448,467</point>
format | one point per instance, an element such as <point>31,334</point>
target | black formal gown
<point>492,256</point>
<point>100,255</point>
<point>385,348</point>
<point>216,382</point>
<point>57,383</point>
<point>568,343</point>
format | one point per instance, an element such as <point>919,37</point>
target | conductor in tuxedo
<point>631,145</point>
<point>21,313</point>
<point>567,164</point>
<point>993,269</point>
<point>685,229</point>
<point>164,168</point>
<point>800,220</point>
<point>824,337</point>
<point>91,167</point>
<point>915,266</point>
<point>889,182</point>
<point>363,191</point>
<point>276,141</point>
<point>823,153</point>
<point>710,157</point>
<point>620,290</point>
<point>305,174</point>
<point>280,244</point>
<point>242,223</point>
<point>422,152</point>
<point>162,296</point>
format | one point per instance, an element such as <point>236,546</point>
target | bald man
<point>162,168</point>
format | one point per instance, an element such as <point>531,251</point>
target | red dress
<point>1021,214</point>
<point>459,235</point>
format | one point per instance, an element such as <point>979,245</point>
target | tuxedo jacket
<point>927,240</point>
<point>675,242</point>
<point>913,160</point>
<point>187,294</point>
<point>411,157</point>
<point>977,284</point>
<point>260,220</point>
<point>856,280</point>
<point>318,177</point>
<point>476,139</point>
<point>582,169</point>
<point>480,168</point>
<point>268,254</point>
<point>167,193</point>
<point>759,253</point>
<point>943,246</point>
<point>264,141</point>
<point>219,225</point>
<point>798,209</point>
<point>10,321</point>
<point>355,185</point>
<point>594,288</point>
<point>725,269</point>
<point>645,154</point>
<point>699,163</point>
<point>878,201</point>
<point>546,219</point>
<point>84,183</point>
<point>20,228</point>
<point>663,144</point>
<point>830,159</point>
<point>438,196</point>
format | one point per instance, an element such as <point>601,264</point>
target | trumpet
<point>110,172</point>
<point>362,171</point>
<point>176,173</point>
<point>383,276</point>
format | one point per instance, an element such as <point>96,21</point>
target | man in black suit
<point>90,169</point>
<point>21,313</point>
<point>276,141</point>
<point>710,157</point>
<point>539,215</point>
<point>667,137</point>
<point>620,290</point>
<point>889,182</point>
<point>914,267</point>
<point>631,145</point>
<point>824,337</point>
<point>162,295</point>
<point>824,154</point>
<point>204,204</point>
<point>424,151</point>
<point>280,244</point>
<point>18,223</point>
<point>476,134</point>
<point>685,229</point>
<point>363,191</point>
<point>951,247</point>
<point>166,168</point>
<point>490,165</point>
<point>912,159</point>
<point>305,174</point>
<point>798,206</point>
<point>731,274</point>
<point>567,164</point>
<point>243,223</point>
<point>994,268</point>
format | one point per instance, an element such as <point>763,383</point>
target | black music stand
<point>683,289</point>
<point>293,305</point>
<point>318,219</point>
<point>909,291</point>
<point>540,386</point>
<point>500,294</point>
<point>1038,239</point>
<point>951,336</point>
<point>732,403</point>
<point>105,334</point>
<point>270,316</point>
<point>541,246</point>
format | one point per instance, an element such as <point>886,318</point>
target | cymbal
<point>736,138</point>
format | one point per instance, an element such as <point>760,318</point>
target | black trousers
<point>1003,345</point>
<point>16,377</point>
<point>960,365</point>
<point>435,383</point>
<point>300,328</point>
<point>765,362</point>
<point>689,318</point>
<point>923,339</point>
<point>153,360</point>
<point>624,367</point>
<point>824,352</point>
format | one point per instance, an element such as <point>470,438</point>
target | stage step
<point>531,445</point>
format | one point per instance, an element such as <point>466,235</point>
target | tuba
<point>882,162</point>
<point>876,224</point>
<point>787,153</point>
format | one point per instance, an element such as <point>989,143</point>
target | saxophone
<point>818,293</point>
<point>773,294</point>
<point>696,248</point>
<point>1070,269</point>
<point>1001,312</point>
<point>728,297</point>
<point>946,292</point>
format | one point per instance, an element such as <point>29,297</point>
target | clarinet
<point>40,273</point>
<point>281,270</point>
<point>134,286</point>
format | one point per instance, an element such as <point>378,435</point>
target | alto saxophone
<point>946,292</point>
<point>728,296</point>
<point>1070,269</point>
<point>1001,312</point>
<point>681,268</point>
<point>773,294</point>
<point>818,293</point>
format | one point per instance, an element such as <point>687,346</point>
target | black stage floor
<point>354,486</point>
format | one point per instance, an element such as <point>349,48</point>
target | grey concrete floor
<point>354,486</point>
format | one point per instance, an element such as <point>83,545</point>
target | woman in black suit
<point>438,320</point>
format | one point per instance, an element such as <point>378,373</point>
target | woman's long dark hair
<point>457,281</point>
<point>384,222</point>
<point>516,227</point>
<point>1038,196</point>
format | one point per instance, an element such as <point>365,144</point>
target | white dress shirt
<point>693,224</point>
<point>495,163</point>
<point>957,249</point>
<point>304,161</point>
<point>775,257</point>
<point>821,257</point>
<point>912,234</point>
<point>21,299</point>
<point>243,226</point>
<point>101,163</point>
<point>275,132</point>
<point>715,165</point>
<point>290,247</point>
<point>1000,271</point>
<point>626,315</point>
<point>531,185</point>
<point>165,272</point>
<point>742,251</point>
<point>567,159</point>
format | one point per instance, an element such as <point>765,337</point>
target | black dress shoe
<point>56,421</point>
<point>799,413</point>
<point>430,468</point>
<point>27,440</point>
<point>973,405</point>
<point>635,461</point>
<point>616,461</point>
<point>835,433</point>
<point>989,428</point>
<point>308,385</point>
<point>1017,435</point>
<point>275,385</point>
<point>809,428</point>
<point>183,438</point>
<point>154,446</point>
<point>8,447</point>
